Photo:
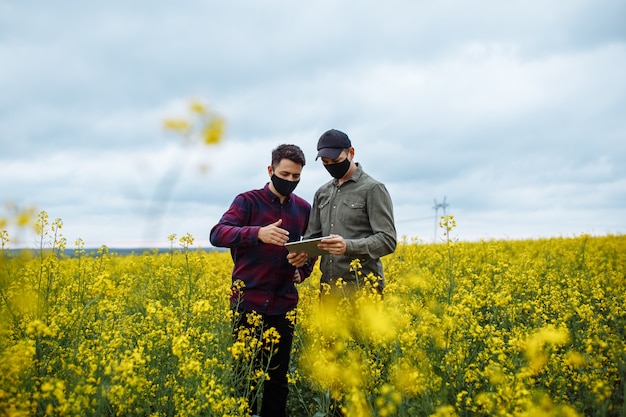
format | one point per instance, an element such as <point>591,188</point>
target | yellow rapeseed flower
<point>177,125</point>
<point>445,411</point>
<point>214,131</point>
<point>271,337</point>
<point>536,344</point>
<point>197,107</point>
<point>575,359</point>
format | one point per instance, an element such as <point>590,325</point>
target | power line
<point>443,205</point>
<point>414,219</point>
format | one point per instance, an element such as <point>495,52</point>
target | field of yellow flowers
<point>493,328</point>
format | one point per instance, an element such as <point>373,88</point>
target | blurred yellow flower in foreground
<point>539,344</point>
<point>203,126</point>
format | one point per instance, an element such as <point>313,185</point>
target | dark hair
<point>291,152</point>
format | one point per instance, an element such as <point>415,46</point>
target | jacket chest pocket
<point>353,210</point>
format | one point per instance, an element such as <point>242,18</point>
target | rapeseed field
<point>491,328</point>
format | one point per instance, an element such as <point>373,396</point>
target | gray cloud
<point>513,110</point>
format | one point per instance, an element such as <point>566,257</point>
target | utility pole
<point>436,207</point>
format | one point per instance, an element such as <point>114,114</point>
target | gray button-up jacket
<point>361,211</point>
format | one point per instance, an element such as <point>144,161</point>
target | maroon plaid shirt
<point>263,268</point>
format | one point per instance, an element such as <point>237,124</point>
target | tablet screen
<point>308,245</point>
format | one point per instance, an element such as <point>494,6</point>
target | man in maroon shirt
<point>255,228</point>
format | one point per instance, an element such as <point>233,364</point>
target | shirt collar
<point>273,197</point>
<point>356,175</point>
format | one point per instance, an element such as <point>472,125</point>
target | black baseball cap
<point>331,143</point>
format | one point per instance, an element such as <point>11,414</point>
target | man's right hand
<point>273,234</point>
<point>297,259</point>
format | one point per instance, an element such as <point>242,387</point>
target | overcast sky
<point>514,111</point>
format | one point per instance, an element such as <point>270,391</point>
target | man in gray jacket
<point>356,211</point>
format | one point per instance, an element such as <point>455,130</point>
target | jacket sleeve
<point>314,226</point>
<point>312,229</point>
<point>233,229</point>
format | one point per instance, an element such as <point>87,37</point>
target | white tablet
<point>307,245</point>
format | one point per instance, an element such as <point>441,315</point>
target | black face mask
<point>339,169</point>
<point>284,187</point>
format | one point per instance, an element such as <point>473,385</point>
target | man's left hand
<point>335,245</point>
